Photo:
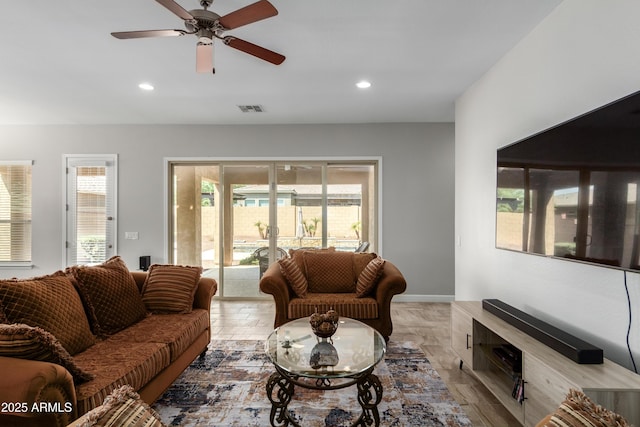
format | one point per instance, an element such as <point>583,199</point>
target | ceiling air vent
<point>251,108</point>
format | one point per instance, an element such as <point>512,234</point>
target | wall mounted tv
<point>573,191</point>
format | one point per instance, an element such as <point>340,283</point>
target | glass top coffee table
<point>345,359</point>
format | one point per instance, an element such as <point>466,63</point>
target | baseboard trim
<point>423,298</point>
<point>396,298</point>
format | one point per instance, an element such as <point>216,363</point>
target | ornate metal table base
<point>279,414</point>
<point>280,389</point>
<point>369,401</point>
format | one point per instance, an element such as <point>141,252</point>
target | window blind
<point>15,213</point>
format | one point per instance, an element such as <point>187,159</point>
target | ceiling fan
<point>207,26</point>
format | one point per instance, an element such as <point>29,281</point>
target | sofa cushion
<point>33,343</point>
<point>115,364</point>
<point>360,261</point>
<point>123,407</point>
<point>577,410</point>
<point>329,271</point>
<point>110,294</point>
<point>294,276</point>
<point>298,255</point>
<point>51,303</point>
<point>184,330</point>
<point>170,288</point>
<point>345,304</point>
<point>368,279</point>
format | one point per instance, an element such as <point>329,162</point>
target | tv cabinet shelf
<point>545,374</point>
<point>488,353</point>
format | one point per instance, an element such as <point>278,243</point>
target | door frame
<point>110,162</point>
<point>272,161</point>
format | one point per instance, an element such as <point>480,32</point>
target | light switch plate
<point>131,235</point>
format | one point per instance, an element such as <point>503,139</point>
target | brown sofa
<point>333,280</point>
<point>149,354</point>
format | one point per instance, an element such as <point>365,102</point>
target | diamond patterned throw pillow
<point>298,255</point>
<point>51,303</point>
<point>360,261</point>
<point>110,294</point>
<point>330,271</point>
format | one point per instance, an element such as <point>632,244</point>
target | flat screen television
<point>573,191</point>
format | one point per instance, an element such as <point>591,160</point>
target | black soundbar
<point>566,344</point>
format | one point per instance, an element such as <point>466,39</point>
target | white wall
<point>584,55</point>
<point>418,186</point>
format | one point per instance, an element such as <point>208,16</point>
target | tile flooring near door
<point>426,324</point>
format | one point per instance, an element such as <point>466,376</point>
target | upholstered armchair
<point>356,285</point>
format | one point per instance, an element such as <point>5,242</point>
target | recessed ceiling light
<point>363,84</point>
<point>145,86</point>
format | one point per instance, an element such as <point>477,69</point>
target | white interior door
<point>90,209</point>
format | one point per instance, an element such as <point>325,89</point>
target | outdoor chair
<point>262,255</point>
<point>363,247</point>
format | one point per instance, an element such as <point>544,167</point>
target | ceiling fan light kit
<point>207,26</point>
<point>204,56</point>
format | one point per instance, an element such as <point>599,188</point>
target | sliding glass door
<point>326,205</point>
<point>351,206</point>
<point>300,205</point>
<point>235,218</point>
<point>194,217</point>
<point>245,232</point>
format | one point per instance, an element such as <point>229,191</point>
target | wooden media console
<point>527,376</point>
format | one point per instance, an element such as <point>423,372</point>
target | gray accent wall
<point>417,183</point>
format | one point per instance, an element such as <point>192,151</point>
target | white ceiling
<point>60,65</point>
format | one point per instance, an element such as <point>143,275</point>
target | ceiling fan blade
<point>147,33</point>
<point>255,50</point>
<point>204,58</point>
<point>176,8</point>
<point>248,14</point>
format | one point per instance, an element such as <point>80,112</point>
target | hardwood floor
<point>426,324</point>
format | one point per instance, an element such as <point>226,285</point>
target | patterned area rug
<point>227,388</point>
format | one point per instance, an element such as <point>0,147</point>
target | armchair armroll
<point>391,283</point>
<point>207,288</point>
<point>35,393</point>
<point>274,283</point>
